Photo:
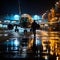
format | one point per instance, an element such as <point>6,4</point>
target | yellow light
<point>44,48</point>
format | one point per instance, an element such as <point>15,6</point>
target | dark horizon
<point>27,6</point>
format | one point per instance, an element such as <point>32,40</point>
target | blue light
<point>36,17</point>
<point>16,42</point>
<point>16,17</point>
<point>38,42</point>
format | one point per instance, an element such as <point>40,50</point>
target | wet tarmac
<point>47,45</point>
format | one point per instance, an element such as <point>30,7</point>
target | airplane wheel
<point>25,31</point>
<point>16,30</point>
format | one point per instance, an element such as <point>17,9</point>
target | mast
<point>19,8</point>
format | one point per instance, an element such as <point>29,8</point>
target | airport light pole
<point>19,8</point>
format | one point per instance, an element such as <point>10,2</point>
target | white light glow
<point>38,42</point>
<point>16,17</point>
<point>36,17</point>
<point>16,42</point>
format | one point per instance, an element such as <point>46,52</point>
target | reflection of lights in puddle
<point>46,57</point>
<point>47,51</point>
<point>11,48</point>
<point>57,58</point>
<point>24,49</point>
<point>51,52</point>
<point>24,54</point>
<point>16,42</point>
<point>5,34</point>
<point>16,48</point>
<point>38,42</point>
<point>44,48</point>
<point>38,51</point>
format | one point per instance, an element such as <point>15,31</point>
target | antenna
<point>19,8</point>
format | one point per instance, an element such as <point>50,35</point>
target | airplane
<point>25,22</point>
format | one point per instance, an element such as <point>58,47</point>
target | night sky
<point>27,6</point>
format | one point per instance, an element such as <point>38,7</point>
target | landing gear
<point>16,30</point>
<point>25,31</point>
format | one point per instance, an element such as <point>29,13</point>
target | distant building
<point>57,9</point>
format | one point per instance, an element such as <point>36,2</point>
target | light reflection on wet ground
<point>48,46</point>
